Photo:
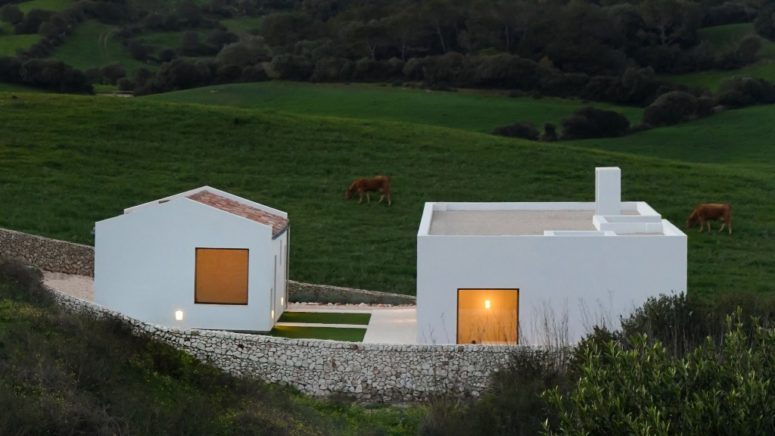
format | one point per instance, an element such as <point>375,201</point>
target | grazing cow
<point>707,212</point>
<point>379,184</point>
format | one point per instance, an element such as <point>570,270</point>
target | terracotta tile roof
<point>278,223</point>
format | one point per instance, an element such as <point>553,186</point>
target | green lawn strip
<point>332,333</point>
<point>76,160</point>
<point>326,317</point>
<point>469,110</point>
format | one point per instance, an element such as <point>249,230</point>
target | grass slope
<point>243,25</point>
<point>96,156</point>
<point>463,110</point>
<point>92,45</point>
<point>9,44</point>
<point>46,5</point>
<point>725,38</point>
<point>64,373</point>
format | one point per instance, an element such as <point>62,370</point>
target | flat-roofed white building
<point>203,258</point>
<point>539,273</point>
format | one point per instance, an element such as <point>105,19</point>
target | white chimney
<point>608,191</point>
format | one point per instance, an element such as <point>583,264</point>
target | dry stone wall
<point>48,254</point>
<point>367,372</point>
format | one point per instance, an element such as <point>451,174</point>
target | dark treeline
<point>603,50</point>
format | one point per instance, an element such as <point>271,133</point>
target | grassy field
<point>92,45</point>
<point>97,156</point>
<point>326,317</point>
<point>243,25</point>
<point>724,38</point>
<point>9,44</point>
<point>72,374</point>
<point>12,87</point>
<point>332,333</point>
<point>46,5</point>
<point>462,110</point>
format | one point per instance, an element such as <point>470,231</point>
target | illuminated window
<point>221,276</point>
<point>487,316</point>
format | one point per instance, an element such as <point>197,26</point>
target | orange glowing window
<point>221,276</point>
<point>487,316</point>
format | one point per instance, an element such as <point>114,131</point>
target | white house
<point>199,259</point>
<point>533,273</point>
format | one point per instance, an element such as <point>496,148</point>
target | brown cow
<point>707,212</point>
<point>379,184</point>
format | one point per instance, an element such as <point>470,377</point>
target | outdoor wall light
<point>178,315</point>
<point>272,313</point>
<point>487,304</point>
<point>282,300</point>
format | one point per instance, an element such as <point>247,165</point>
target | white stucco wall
<point>145,265</point>
<point>590,279</point>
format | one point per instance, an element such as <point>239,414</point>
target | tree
<point>765,23</point>
<point>11,14</point>
<point>671,21</point>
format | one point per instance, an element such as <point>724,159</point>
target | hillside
<point>722,39</point>
<point>62,373</point>
<point>478,111</point>
<point>99,155</point>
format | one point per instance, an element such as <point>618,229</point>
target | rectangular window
<point>221,276</point>
<point>487,316</point>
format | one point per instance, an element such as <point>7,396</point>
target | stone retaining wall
<point>48,254</point>
<point>70,258</point>
<point>366,372</point>
<point>305,292</point>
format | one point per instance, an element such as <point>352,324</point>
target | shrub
<point>111,73</point>
<point>671,108</point>
<point>32,21</point>
<point>512,403</point>
<point>550,133</point>
<point>182,74</point>
<point>765,23</point>
<point>11,14</point>
<point>745,91</point>
<point>589,122</point>
<point>291,67</point>
<point>720,388</point>
<point>330,69</point>
<point>518,130</point>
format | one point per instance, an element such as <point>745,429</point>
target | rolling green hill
<point>92,45</point>
<point>469,110</point>
<point>98,155</point>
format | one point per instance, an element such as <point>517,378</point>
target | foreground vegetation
<point>97,156</point>
<point>62,373</point>
<point>678,365</point>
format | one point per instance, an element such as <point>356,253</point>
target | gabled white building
<point>199,259</point>
<point>535,273</point>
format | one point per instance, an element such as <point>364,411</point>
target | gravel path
<point>77,286</point>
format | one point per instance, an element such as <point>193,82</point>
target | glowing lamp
<point>178,315</point>
<point>487,304</point>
